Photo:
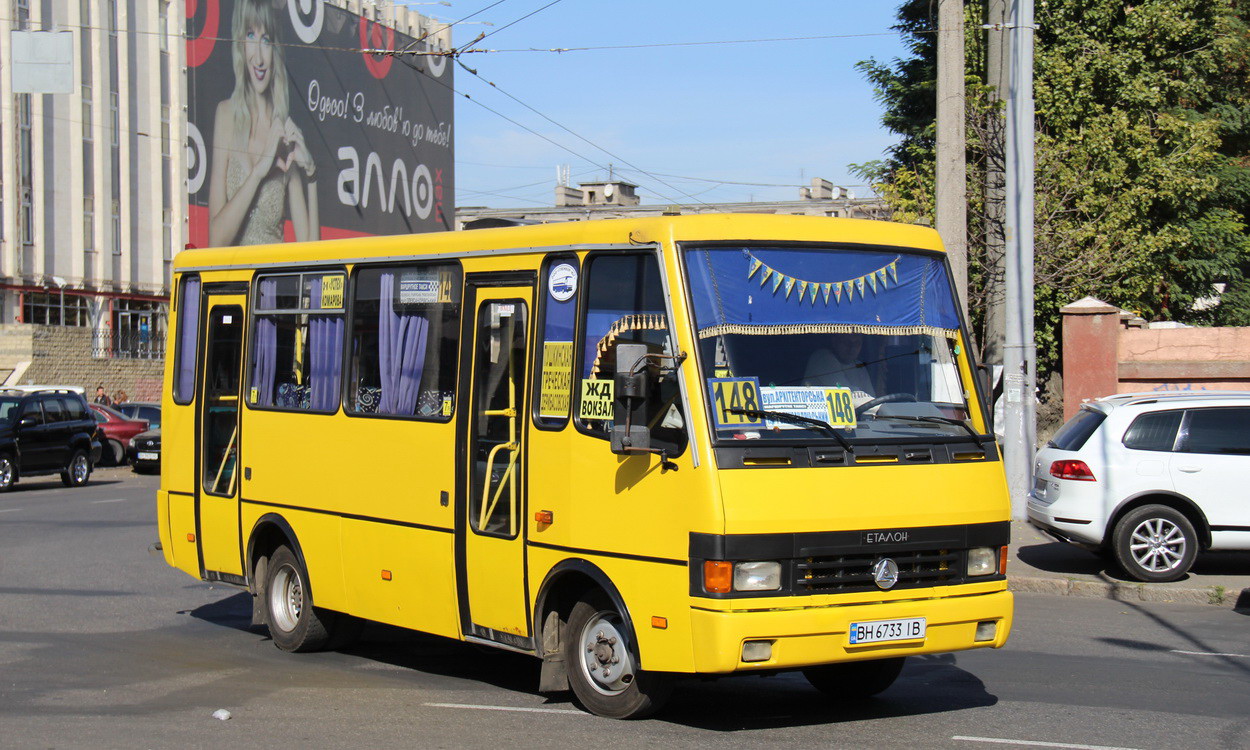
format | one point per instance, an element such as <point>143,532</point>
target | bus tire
<point>599,654</point>
<point>294,624</point>
<point>855,680</point>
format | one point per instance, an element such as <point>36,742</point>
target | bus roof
<point>688,228</point>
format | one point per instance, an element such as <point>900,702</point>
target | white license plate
<point>877,631</point>
<point>148,456</point>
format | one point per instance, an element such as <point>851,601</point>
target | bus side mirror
<point>629,404</point>
<point>986,378</point>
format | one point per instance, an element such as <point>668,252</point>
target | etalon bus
<point>636,450</point>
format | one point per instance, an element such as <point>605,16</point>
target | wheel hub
<point>605,659</point>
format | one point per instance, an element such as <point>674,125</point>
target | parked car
<point>46,432</point>
<point>144,410</point>
<point>144,452</point>
<point>117,429</point>
<point>1149,479</point>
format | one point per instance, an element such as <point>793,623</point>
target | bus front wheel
<point>603,670</point>
<point>294,624</point>
<point>855,679</point>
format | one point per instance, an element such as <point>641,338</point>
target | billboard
<point>297,129</point>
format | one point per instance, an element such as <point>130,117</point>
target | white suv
<point>1150,479</point>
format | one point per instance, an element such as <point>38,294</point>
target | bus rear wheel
<point>603,669</point>
<point>855,679</point>
<point>294,623</point>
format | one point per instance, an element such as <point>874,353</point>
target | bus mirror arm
<point>630,434</point>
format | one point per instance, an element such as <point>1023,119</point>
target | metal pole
<point>1019,355</point>
<point>951,201</point>
<point>996,75</point>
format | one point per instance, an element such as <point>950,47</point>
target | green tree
<point>1143,175</point>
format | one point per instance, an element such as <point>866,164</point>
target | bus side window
<point>187,339</point>
<point>625,304</point>
<point>559,287</point>
<point>405,338</point>
<point>297,343</point>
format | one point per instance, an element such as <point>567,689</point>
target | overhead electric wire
<point>586,140</point>
<point>513,23</point>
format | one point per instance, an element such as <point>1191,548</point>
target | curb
<point>1129,592</point>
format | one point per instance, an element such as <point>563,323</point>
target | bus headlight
<point>982,561</point>
<point>757,576</point>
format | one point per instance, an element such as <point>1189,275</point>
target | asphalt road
<point>102,646</point>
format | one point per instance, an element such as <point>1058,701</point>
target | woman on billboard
<point>261,166</point>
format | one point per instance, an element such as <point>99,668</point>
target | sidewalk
<point>1040,564</point>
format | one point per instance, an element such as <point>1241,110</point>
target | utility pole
<point>952,173</point>
<point>1020,351</point>
<point>996,75</point>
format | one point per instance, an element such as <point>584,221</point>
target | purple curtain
<point>265,356</point>
<point>401,352</point>
<point>188,342</point>
<point>325,344</point>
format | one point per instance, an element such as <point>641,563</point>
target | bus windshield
<point>865,341</point>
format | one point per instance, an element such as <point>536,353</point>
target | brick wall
<point>1107,351</point>
<point>62,355</point>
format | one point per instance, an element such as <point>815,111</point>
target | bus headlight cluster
<point>982,561</point>
<point>721,577</point>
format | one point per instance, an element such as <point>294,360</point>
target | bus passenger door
<point>490,522</point>
<point>217,435</point>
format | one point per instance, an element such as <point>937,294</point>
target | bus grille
<point>850,573</point>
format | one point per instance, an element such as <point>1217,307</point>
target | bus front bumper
<point>808,636</point>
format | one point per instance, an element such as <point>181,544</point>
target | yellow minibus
<point>635,449</point>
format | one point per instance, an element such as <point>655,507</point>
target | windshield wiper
<point>937,420</point>
<point>781,416</point>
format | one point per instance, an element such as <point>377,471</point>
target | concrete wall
<point>1106,351</point>
<point>62,355</point>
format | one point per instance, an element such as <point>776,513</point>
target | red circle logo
<point>200,48</point>
<point>371,37</point>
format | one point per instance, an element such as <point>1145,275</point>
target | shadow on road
<point>1068,559</point>
<point>929,684</point>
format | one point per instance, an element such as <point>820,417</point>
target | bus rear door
<point>217,435</point>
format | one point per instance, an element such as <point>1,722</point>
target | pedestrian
<point>101,397</point>
<point>120,398</point>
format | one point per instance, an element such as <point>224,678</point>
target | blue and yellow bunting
<point>874,281</point>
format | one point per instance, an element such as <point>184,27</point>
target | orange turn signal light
<point>386,575</point>
<point>190,537</point>
<point>718,576</point>
<point>659,623</point>
<point>1002,561</point>
<point>545,516</point>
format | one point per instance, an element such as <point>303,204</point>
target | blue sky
<point>778,113</point>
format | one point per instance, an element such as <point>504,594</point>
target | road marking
<point>1209,653</point>
<point>114,500</point>
<point>1037,743</point>
<point>508,708</point>
<point>9,510</point>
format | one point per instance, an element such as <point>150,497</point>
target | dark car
<point>144,452</point>
<point>46,432</point>
<point>145,410</point>
<point>117,429</point>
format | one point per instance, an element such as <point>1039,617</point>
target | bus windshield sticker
<point>832,405</point>
<point>728,394</point>
<point>597,398</point>
<point>562,282</point>
<point>557,380</point>
<point>332,292</point>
